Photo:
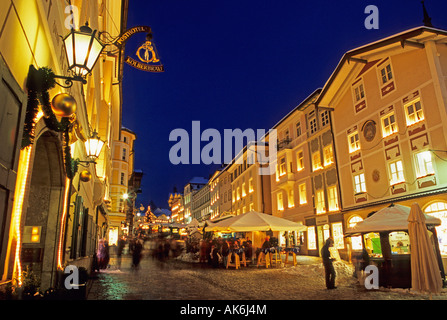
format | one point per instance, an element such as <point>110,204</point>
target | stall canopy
<point>255,221</point>
<point>391,218</point>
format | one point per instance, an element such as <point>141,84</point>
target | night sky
<point>239,64</point>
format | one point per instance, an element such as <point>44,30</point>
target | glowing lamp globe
<point>93,146</point>
<point>82,49</point>
<point>63,105</point>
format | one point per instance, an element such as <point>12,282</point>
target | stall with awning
<point>385,238</point>
<point>255,221</point>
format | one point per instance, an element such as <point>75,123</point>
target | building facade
<point>389,100</point>
<point>121,192</point>
<point>46,176</point>
<point>201,203</point>
<point>220,193</point>
<point>188,192</point>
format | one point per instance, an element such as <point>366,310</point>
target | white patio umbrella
<point>425,273</point>
<point>255,221</point>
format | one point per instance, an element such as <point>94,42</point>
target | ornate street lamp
<point>93,146</point>
<point>82,49</point>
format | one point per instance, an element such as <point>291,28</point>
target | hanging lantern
<point>63,105</point>
<point>85,176</point>
<point>93,146</point>
<point>83,49</point>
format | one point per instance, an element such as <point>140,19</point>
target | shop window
<point>399,242</point>
<point>337,233</point>
<point>389,125</point>
<point>424,164</point>
<point>439,210</point>
<point>414,112</point>
<point>354,142</point>
<point>356,241</point>
<point>311,238</point>
<point>373,245</point>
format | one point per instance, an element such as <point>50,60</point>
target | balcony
<point>284,144</point>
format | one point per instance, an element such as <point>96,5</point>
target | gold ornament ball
<point>85,176</point>
<point>63,105</point>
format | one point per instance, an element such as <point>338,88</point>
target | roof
<point>408,39</point>
<point>198,180</point>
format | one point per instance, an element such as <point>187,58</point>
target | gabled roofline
<point>400,37</point>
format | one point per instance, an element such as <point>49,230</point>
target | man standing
<point>328,266</point>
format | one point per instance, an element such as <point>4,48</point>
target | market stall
<point>254,223</point>
<point>385,238</point>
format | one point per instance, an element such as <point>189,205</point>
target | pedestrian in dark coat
<point>327,263</point>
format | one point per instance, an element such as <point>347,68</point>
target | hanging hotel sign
<point>148,59</point>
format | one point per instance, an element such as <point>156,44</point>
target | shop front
<point>320,228</point>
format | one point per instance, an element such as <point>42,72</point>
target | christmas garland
<point>39,82</point>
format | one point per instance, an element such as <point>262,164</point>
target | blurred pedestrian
<point>137,249</point>
<point>103,254</point>
<point>225,250</point>
<point>202,251</point>
<point>328,265</point>
<point>120,249</point>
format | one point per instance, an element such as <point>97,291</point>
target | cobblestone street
<point>179,280</point>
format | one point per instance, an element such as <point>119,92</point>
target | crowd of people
<point>216,252</point>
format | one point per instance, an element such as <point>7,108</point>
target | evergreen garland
<point>39,82</point>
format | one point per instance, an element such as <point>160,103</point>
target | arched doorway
<point>45,200</point>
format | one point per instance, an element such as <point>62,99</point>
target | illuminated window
<point>282,166</point>
<point>337,234</point>
<point>389,125</point>
<point>359,92</point>
<point>359,183</point>
<point>396,172</point>
<point>424,164</point>
<point>414,112</point>
<point>316,161</point>
<point>250,185</point>
<point>243,190</point>
<point>311,238</point>
<point>320,202</point>
<point>291,201</point>
<point>238,193</point>
<point>333,198</point>
<point>303,194</point>
<point>356,242</point>
<point>354,142</point>
<point>234,196</point>
<point>324,118</point>
<point>280,204</point>
<point>244,209</point>
<point>439,210</point>
<point>399,242</point>
<point>298,129</point>
<point>300,160</point>
<point>386,73</point>
<point>252,206</point>
<point>328,155</point>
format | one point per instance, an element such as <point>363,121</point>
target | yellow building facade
<point>40,193</point>
<point>389,100</point>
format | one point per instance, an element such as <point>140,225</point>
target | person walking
<point>327,263</point>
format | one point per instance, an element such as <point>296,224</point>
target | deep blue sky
<point>239,64</point>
